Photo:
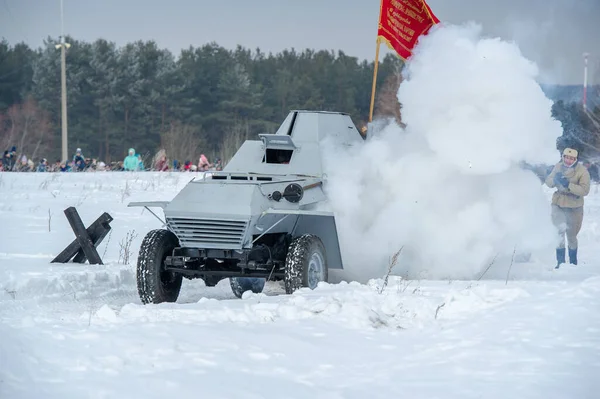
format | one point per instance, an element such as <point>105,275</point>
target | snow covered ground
<point>79,331</point>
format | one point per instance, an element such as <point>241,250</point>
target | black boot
<point>560,257</point>
<point>573,256</point>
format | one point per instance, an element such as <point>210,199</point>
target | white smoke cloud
<point>449,189</point>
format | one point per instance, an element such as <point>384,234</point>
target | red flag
<point>401,22</point>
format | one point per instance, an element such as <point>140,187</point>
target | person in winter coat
<point>43,165</point>
<point>160,161</point>
<point>6,165</point>
<point>78,155</point>
<point>131,161</point>
<point>23,166</point>
<point>78,161</point>
<point>65,167</point>
<point>140,162</point>
<point>10,160</point>
<point>572,181</point>
<point>203,164</point>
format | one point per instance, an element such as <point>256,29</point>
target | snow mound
<point>351,305</point>
<point>65,280</point>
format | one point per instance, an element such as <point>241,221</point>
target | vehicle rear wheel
<point>154,283</point>
<point>305,264</point>
<point>239,285</point>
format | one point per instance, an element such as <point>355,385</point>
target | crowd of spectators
<point>15,162</point>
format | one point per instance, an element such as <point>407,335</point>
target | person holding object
<point>572,181</point>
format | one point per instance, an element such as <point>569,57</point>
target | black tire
<point>212,281</point>
<point>154,283</point>
<point>301,264</point>
<point>239,285</point>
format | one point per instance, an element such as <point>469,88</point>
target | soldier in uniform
<point>572,181</point>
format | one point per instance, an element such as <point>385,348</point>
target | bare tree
<point>182,142</point>
<point>5,138</point>
<point>233,140</point>
<point>28,124</point>
<point>7,131</point>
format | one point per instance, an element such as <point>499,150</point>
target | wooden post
<point>374,80</point>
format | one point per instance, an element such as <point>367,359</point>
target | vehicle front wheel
<point>305,264</point>
<point>154,283</point>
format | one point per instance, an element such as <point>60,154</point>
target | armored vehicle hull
<point>257,220</point>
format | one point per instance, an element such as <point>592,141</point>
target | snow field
<point>79,331</point>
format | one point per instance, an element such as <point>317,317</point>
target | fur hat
<point>570,152</point>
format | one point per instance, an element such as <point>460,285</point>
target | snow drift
<point>474,112</point>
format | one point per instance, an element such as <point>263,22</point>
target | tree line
<point>581,128</point>
<point>208,99</point>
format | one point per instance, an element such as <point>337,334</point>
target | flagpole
<point>374,80</point>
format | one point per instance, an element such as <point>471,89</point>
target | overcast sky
<point>553,33</point>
